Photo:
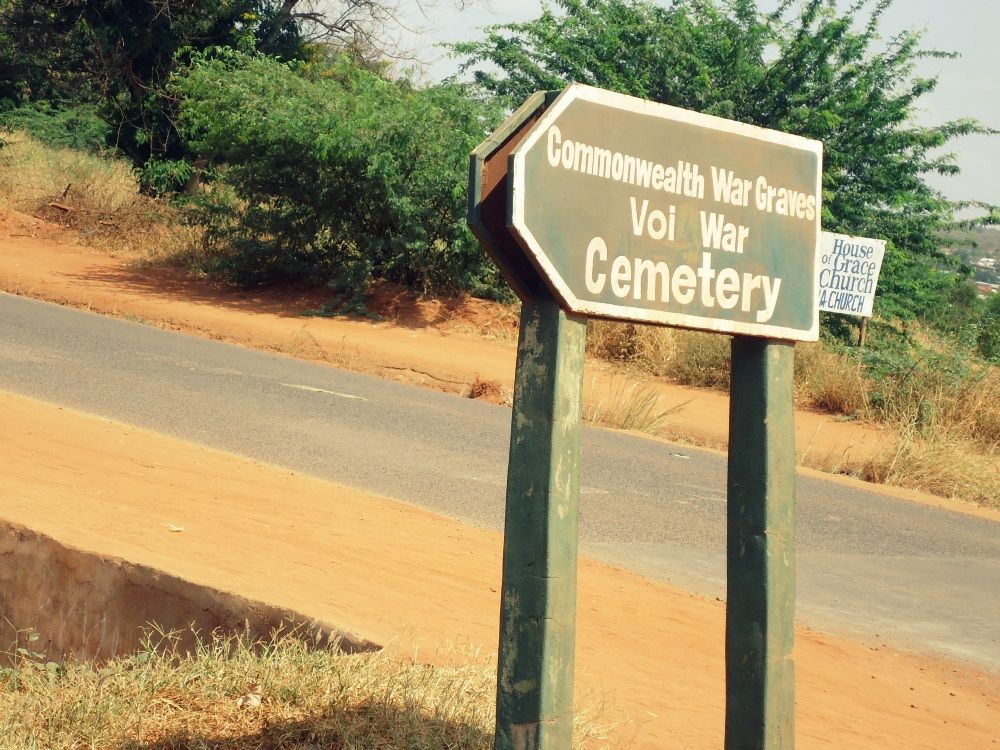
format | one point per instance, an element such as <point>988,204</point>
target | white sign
<point>849,268</point>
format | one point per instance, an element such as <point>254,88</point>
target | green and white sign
<point>600,204</point>
<point>848,273</point>
<point>640,211</point>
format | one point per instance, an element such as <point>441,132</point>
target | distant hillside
<point>972,244</point>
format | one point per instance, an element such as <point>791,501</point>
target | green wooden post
<point>538,604</point>
<point>760,611</point>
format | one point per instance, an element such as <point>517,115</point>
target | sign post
<point>760,561</point>
<point>538,593</point>
<point>620,208</point>
<point>538,599</point>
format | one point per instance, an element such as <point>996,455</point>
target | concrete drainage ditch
<point>97,607</point>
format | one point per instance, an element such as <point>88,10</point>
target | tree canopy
<point>116,56</point>
<point>805,68</point>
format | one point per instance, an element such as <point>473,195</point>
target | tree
<point>118,55</point>
<point>814,71</point>
<point>361,25</point>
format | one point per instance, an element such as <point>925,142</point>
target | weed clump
<point>97,195</point>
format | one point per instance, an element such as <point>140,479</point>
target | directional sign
<point>848,273</point>
<point>604,205</point>
<point>635,210</point>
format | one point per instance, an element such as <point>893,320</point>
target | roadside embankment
<point>97,607</point>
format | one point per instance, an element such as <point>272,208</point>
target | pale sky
<point>967,87</point>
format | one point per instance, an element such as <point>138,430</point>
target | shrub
<point>165,176</point>
<point>77,127</point>
<point>340,176</point>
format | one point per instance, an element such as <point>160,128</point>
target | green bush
<point>77,127</point>
<point>165,176</point>
<point>339,176</point>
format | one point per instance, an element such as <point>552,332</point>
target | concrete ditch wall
<point>96,607</point>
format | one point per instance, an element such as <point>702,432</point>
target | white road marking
<point>498,482</point>
<point>484,480</point>
<point>323,390</point>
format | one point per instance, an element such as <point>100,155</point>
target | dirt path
<point>400,575</point>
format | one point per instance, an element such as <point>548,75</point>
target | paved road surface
<point>887,570</point>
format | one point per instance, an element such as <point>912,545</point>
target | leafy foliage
<point>988,339</point>
<point>117,56</point>
<point>340,175</point>
<point>78,127</point>
<point>813,71</point>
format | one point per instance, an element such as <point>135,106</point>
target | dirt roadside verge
<point>397,574</point>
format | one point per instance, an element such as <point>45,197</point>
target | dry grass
<point>629,405</point>
<point>940,392</point>
<point>100,199</point>
<point>979,410</point>
<point>829,381</point>
<point>234,695</point>
<point>942,465</point>
<point>651,348</point>
<point>967,410</point>
<point>702,359</point>
<point>688,357</point>
<point>940,413</point>
<point>32,174</point>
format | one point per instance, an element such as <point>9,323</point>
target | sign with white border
<point>640,211</point>
<point>848,274</point>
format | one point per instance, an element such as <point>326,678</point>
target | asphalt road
<point>886,570</point>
